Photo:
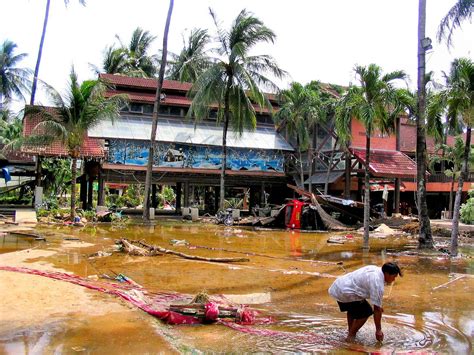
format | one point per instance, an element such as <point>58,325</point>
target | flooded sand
<point>286,278</point>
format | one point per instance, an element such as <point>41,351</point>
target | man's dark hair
<point>391,269</point>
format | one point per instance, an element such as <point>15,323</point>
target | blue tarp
<point>6,174</point>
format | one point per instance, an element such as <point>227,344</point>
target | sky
<point>316,40</point>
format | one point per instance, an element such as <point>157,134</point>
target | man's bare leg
<point>355,326</point>
<point>349,321</point>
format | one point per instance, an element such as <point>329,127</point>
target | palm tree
<point>83,107</point>
<point>460,12</point>
<point>40,50</point>
<point>376,104</point>
<point>114,61</point>
<point>232,81</point>
<point>453,154</point>
<point>192,61</point>
<point>425,239</point>
<point>11,128</point>
<point>132,59</point>
<point>300,111</point>
<point>14,81</point>
<point>458,99</point>
<point>156,109</point>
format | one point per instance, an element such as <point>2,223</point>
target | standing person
<point>352,290</point>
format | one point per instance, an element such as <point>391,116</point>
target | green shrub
<point>89,215</point>
<point>467,209</point>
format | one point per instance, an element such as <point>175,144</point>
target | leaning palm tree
<point>300,111</point>
<point>193,60</point>
<point>14,81</point>
<point>458,99</point>
<point>82,108</point>
<point>376,104</point>
<point>40,49</point>
<point>460,12</point>
<point>232,81</point>
<point>156,109</point>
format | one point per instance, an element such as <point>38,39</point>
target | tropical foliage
<point>375,103</point>
<point>235,80</point>
<point>11,127</point>
<point>457,102</point>
<point>193,60</point>
<point>82,108</point>
<point>467,209</point>
<point>460,12</point>
<point>14,80</point>
<point>301,109</point>
<point>132,59</point>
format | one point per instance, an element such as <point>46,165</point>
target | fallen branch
<point>447,283</point>
<point>150,250</point>
<point>134,250</point>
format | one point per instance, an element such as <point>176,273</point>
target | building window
<point>175,111</point>
<point>136,108</point>
<point>147,108</point>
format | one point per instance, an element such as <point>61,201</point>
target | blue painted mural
<point>199,157</point>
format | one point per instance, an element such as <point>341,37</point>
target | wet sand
<point>37,310</point>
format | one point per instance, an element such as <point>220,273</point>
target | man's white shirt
<point>364,283</point>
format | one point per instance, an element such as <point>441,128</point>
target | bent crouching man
<point>352,290</point>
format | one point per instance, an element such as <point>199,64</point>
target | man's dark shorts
<point>357,309</point>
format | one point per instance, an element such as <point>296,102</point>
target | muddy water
<point>286,278</point>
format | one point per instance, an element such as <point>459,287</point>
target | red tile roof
<point>145,83</point>
<point>387,163</point>
<point>91,147</point>
<point>149,87</point>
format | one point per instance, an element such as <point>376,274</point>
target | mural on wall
<point>199,157</point>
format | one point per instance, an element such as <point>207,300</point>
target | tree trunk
<point>425,239</point>
<point>347,175</point>
<point>326,185</point>
<point>40,52</point>
<point>301,169</point>
<point>397,180</point>
<point>224,142</point>
<point>156,109</point>
<point>367,191</point>
<point>457,203</point>
<point>73,187</point>
<point>451,193</point>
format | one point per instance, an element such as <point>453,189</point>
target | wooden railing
<point>440,177</point>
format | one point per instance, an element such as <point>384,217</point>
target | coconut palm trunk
<point>425,239</point>
<point>457,203</point>
<point>156,109</point>
<point>73,186</point>
<point>451,195</point>
<point>224,142</point>
<point>367,191</point>
<point>40,53</point>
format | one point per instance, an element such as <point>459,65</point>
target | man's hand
<point>378,322</point>
<point>379,335</point>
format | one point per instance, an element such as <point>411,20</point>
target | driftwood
<point>144,249</point>
<point>26,234</point>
